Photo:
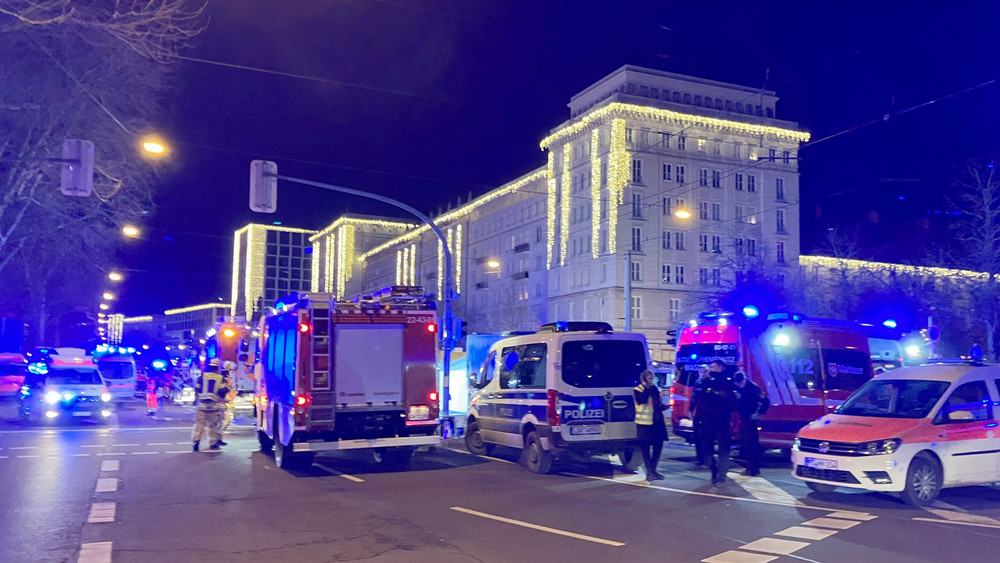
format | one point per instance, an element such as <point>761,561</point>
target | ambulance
<point>911,431</point>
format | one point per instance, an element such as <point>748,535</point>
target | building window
<point>780,217</point>
<point>716,211</point>
<point>668,172</point>
<point>738,182</point>
<point>666,206</point>
<point>716,277</point>
<point>751,215</point>
<point>604,174</point>
<point>665,273</point>
<point>678,241</point>
<point>739,214</point>
<point>772,154</point>
<point>703,276</point>
<point>636,271</point>
<point>702,144</point>
<point>636,308</point>
<point>716,178</point>
<point>680,174</point>
<point>780,253</point>
<point>703,210</point>
<point>751,183</point>
<point>681,142</point>
<point>675,310</point>
<point>738,246</point>
<point>636,239</point>
<point>785,156</point>
<point>716,243</point>
<point>737,148</point>
<point>666,240</point>
<point>703,177</point>
<point>628,134</point>
<point>703,243</point>
<point>717,147</point>
<point>779,189</point>
<point>636,170</point>
<point>751,247</point>
<point>637,206</point>
<point>679,274</point>
<point>644,137</point>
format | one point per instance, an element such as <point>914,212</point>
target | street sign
<point>263,186</point>
<point>77,176</point>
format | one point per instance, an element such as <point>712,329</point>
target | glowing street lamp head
<point>104,306</point>
<point>682,214</point>
<point>130,231</point>
<point>154,146</point>
<point>115,276</point>
<point>494,263</point>
<point>108,296</point>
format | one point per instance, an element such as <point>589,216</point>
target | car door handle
<point>942,435</point>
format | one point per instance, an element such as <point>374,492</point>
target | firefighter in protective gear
<point>650,427</point>
<point>211,391</point>
<point>229,401</point>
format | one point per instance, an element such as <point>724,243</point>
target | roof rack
<point>576,326</point>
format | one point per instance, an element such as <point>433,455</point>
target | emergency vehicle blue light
<point>889,323</point>
<point>131,350</point>
<point>159,364</point>
<point>562,325</point>
<point>694,356</point>
<point>782,339</point>
<point>751,312</point>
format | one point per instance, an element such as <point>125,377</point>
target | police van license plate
<point>821,463</point>
<point>82,413</point>
<point>585,429</point>
<point>686,423</point>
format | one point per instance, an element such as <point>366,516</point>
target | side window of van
<point>970,402</point>
<point>523,367</point>
<point>486,373</point>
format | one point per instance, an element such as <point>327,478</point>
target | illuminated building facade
<point>335,250</point>
<point>269,262</point>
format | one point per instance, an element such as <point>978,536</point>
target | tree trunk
<point>42,304</point>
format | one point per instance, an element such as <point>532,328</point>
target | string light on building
<point>235,271</point>
<point>595,191</point>
<point>618,177</point>
<point>565,185</point>
<point>331,241</point>
<point>317,248</point>
<point>458,258</point>
<point>550,173</point>
<point>440,278</point>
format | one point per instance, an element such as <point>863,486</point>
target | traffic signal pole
<point>447,332</point>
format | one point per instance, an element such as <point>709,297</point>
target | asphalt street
<point>132,491</point>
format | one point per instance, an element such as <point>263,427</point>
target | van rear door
<point>597,376</point>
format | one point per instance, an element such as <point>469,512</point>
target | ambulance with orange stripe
<point>912,430</point>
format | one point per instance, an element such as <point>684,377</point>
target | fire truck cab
<point>348,375</point>
<point>805,366</point>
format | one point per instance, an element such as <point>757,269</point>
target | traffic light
<point>77,176</point>
<point>458,328</point>
<point>263,186</point>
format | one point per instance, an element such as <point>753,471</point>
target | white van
<point>566,389</point>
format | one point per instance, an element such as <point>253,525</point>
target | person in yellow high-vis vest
<point>211,391</point>
<point>649,424</point>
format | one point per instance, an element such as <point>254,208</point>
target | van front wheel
<point>536,459</point>
<point>474,441</point>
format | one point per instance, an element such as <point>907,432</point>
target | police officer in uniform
<point>752,404</point>
<point>697,391</point>
<point>715,407</point>
<point>211,391</point>
<point>649,423</point>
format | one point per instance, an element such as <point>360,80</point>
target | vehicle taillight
<point>432,396</point>
<point>303,327</point>
<point>431,327</point>
<point>302,400</point>
<point>552,411</point>
<point>672,391</point>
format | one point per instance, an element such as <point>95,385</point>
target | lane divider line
<point>958,523</point>
<point>160,444</point>
<point>339,474</point>
<point>806,533</point>
<point>144,453</point>
<point>110,465</point>
<point>102,512</point>
<point>93,446</point>
<point>29,456</point>
<point>125,445</point>
<point>24,448</point>
<point>96,552</point>
<point>79,455</point>
<point>850,515</point>
<point>531,526</point>
<point>106,485</point>
<point>775,546</point>
<point>834,523</point>
<point>733,556</point>
<point>111,453</point>
<point>179,452</point>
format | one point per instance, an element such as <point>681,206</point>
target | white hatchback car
<point>911,430</point>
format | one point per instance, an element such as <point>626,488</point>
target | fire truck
<point>348,375</point>
<point>805,366</point>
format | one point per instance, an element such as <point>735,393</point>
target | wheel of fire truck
<point>631,458</point>
<point>266,443</point>
<point>474,440</point>
<point>536,459</point>
<point>398,457</point>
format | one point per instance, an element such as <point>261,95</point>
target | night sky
<point>429,100</point>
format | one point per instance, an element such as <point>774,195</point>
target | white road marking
<point>102,512</point>
<point>93,446</point>
<point>179,452</point>
<point>761,489</point>
<point>111,453</point>
<point>188,443</point>
<point>775,545</point>
<point>339,474</point>
<point>3,457</point>
<point>125,445</point>
<point>953,513</point>
<point>79,455</point>
<point>24,448</point>
<point>805,533</point>
<point>739,557</point>
<point>29,456</point>
<point>834,523</point>
<point>849,515</point>
<point>144,453</point>
<point>110,465</point>
<point>537,527</point>
<point>491,458</point>
<point>106,485</point>
<point>959,523</point>
<point>160,444</point>
<point>97,552</point>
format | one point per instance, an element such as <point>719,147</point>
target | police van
<point>564,390</point>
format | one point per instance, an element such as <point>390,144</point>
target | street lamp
<point>493,264</point>
<point>682,214</point>
<point>108,296</point>
<point>105,306</point>
<point>154,146</point>
<point>130,231</point>
<point>114,276</point>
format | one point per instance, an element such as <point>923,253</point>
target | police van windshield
<point>72,376</point>
<point>602,363</point>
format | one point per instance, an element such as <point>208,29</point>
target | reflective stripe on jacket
<point>643,411</point>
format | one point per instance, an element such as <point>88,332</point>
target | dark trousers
<point>699,450</point>
<point>750,448</point>
<point>715,430</point>
<point>651,450</point>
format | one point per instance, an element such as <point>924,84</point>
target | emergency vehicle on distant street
<point>805,366</point>
<point>339,375</point>
<point>13,367</point>
<point>118,368</point>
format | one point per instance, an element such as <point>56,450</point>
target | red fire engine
<point>805,366</point>
<point>348,375</point>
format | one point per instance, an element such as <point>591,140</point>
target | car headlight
<point>880,447</point>
<point>105,396</point>
<point>796,444</point>
<point>52,397</point>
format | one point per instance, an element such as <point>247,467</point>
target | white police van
<point>566,389</point>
